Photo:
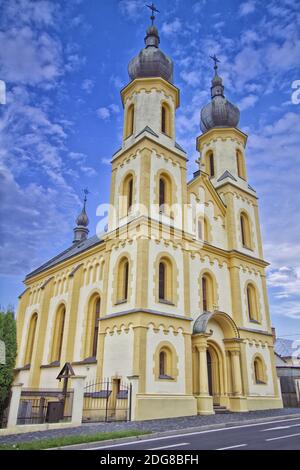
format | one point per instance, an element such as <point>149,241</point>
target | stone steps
<point>218,409</point>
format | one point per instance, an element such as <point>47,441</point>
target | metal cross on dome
<point>154,10</point>
<point>216,61</point>
<point>85,192</point>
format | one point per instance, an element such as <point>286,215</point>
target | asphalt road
<point>282,434</point>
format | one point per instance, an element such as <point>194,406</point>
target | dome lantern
<point>151,61</point>
<point>219,112</point>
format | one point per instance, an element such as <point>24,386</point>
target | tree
<point>8,335</point>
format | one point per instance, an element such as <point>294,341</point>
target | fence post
<point>78,396</point>
<point>134,382</point>
<point>16,390</point>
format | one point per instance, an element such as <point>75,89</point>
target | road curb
<point>206,427</point>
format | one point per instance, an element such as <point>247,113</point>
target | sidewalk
<point>158,425</point>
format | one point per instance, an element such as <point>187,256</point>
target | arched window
<point>162,363</point>
<point>166,126</point>
<point>130,121</point>
<point>58,334</point>
<point>207,293</point>
<point>240,165</point>
<point>165,280</point>
<point>210,164</point>
<point>127,192</point>
<point>259,371</point>
<point>245,230</point>
<point>165,358</point>
<point>162,281</point>
<point>92,327</point>
<point>31,338</point>
<point>162,194</point>
<point>165,194</point>
<point>96,327</point>
<point>252,303</point>
<point>123,280</point>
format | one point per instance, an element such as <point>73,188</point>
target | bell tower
<point>222,147</point>
<point>149,144</point>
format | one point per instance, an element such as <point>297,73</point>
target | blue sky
<point>64,64</point>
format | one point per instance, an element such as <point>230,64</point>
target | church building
<point>173,293</point>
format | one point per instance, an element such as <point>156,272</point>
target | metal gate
<point>39,406</point>
<point>107,400</point>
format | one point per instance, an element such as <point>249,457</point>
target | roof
<point>225,175</point>
<point>285,347</point>
<point>73,250</point>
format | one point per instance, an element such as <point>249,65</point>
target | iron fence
<point>107,400</point>
<point>44,406</point>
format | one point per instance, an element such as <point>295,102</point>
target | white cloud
<point>247,7</point>
<point>106,161</point>
<point>118,83</point>
<point>105,113</point>
<point>39,12</point>
<point>198,6</point>
<point>132,9</point>
<point>247,102</point>
<point>88,85</point>
<point>171,28</point>
<point>29,57</point>
<point>191,78</point>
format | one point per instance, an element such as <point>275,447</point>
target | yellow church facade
<point>173,294</point>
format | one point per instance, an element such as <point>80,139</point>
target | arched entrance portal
<point>214,336</point>
<point>215,373</point>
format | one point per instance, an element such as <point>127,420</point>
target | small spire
<point>152,36</point>
<point>81,231</point>
<point>217,88</point>
<point>216,61</point>
<point>154,10</point>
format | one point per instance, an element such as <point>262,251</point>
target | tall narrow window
<point>163,119</point>
<point>240,165</point>
<point>166,119</point>
<point>126,279</point>
<point>162,281</point>
<point>122,281</point>
<point>58,334</point>
<point>259,371</point>
<point>162,363</point>
<point>252,303</point>
<point>245,231</point>
<point>207,293</point>
<point>210,164</point>
<point>130,121</point>
<point>31,338</point>
<point>130,194</point>
<point>204,293</point>
<point>162,194</point>
<point>96,326</point>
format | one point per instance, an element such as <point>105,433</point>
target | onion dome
<point>151,61</point>
<point>219,112</point>
<point>81,231</point>
<point>82,219</point>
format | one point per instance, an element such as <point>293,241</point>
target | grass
<point>70,440</point>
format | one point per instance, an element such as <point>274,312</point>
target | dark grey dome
<point>82,220</point>
<point>151,61</point>
<point>219,112</point>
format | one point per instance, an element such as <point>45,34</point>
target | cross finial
<point>216,61</point>
<point>85,192</point>
<point>154,10</point>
